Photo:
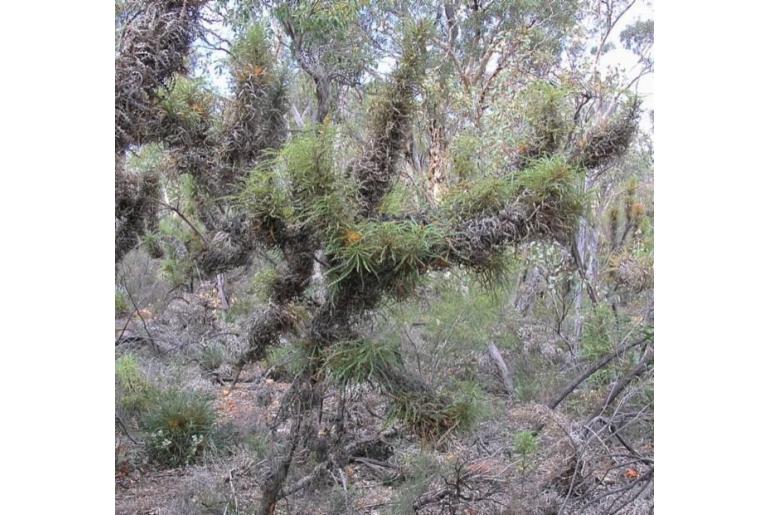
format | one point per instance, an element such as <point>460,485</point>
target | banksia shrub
<point>179,426</point>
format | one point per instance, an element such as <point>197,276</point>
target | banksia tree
<point>303,200</point>
<point>314,210</point>
<point>213,143</point>
<point>152,47</point>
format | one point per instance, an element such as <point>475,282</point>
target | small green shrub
<point>262,283</point>
<point>152,243</point>
<point>419,471</point>
<point>187,102</point>
<point>465,152</point>
<point>135,392</point>
<point>176,271</point>
<point>597,340</point>
<point>258,443</point>
<point>211,356</point>
<point>179,427</point>
<point>121,303</point>
<point>432,418</point>
<point>525,444</point>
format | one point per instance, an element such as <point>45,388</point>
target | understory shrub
<point>597,340</point>
<point>179,426</point>
<point>135,392</point>
<point>211,356</point>
<point>121,303</point>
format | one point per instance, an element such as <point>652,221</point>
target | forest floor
<point>520,458</point>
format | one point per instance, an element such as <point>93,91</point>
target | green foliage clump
<point>398,200</point>
<point>547,116</point>
<point>465,152</point>
<point>551,178</point>
<point>262,282</point>
<point>179,242</point>
<point>597,339</point>
<point>179,425</point>
<point>252,49</point>
<point>393,250</point>
<point>361,361</point>
<point>135,393</point>
<point>494,272</point>
<point>153,244</point>
<point>122,307</point>
<point>525,444</point>
<point>487,195</point>
<point>266,198</point>
<point>551,182</point>
<point>287,360</point>
<point>321,196</point>
<point>187,102</point>
<point>147,159</point>
<point>330,31</point>
<point>419,471</point>
<point>258,443</point>
<point>471,393</point>
<point>456,315</point>
<point>188,192</point>
<point>431,417</point>
<point>212,356</point>
<point>176,270</point>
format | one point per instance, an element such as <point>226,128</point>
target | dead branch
<point>591,371</point>
<point>494,353</point>
<point>625,381</point>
